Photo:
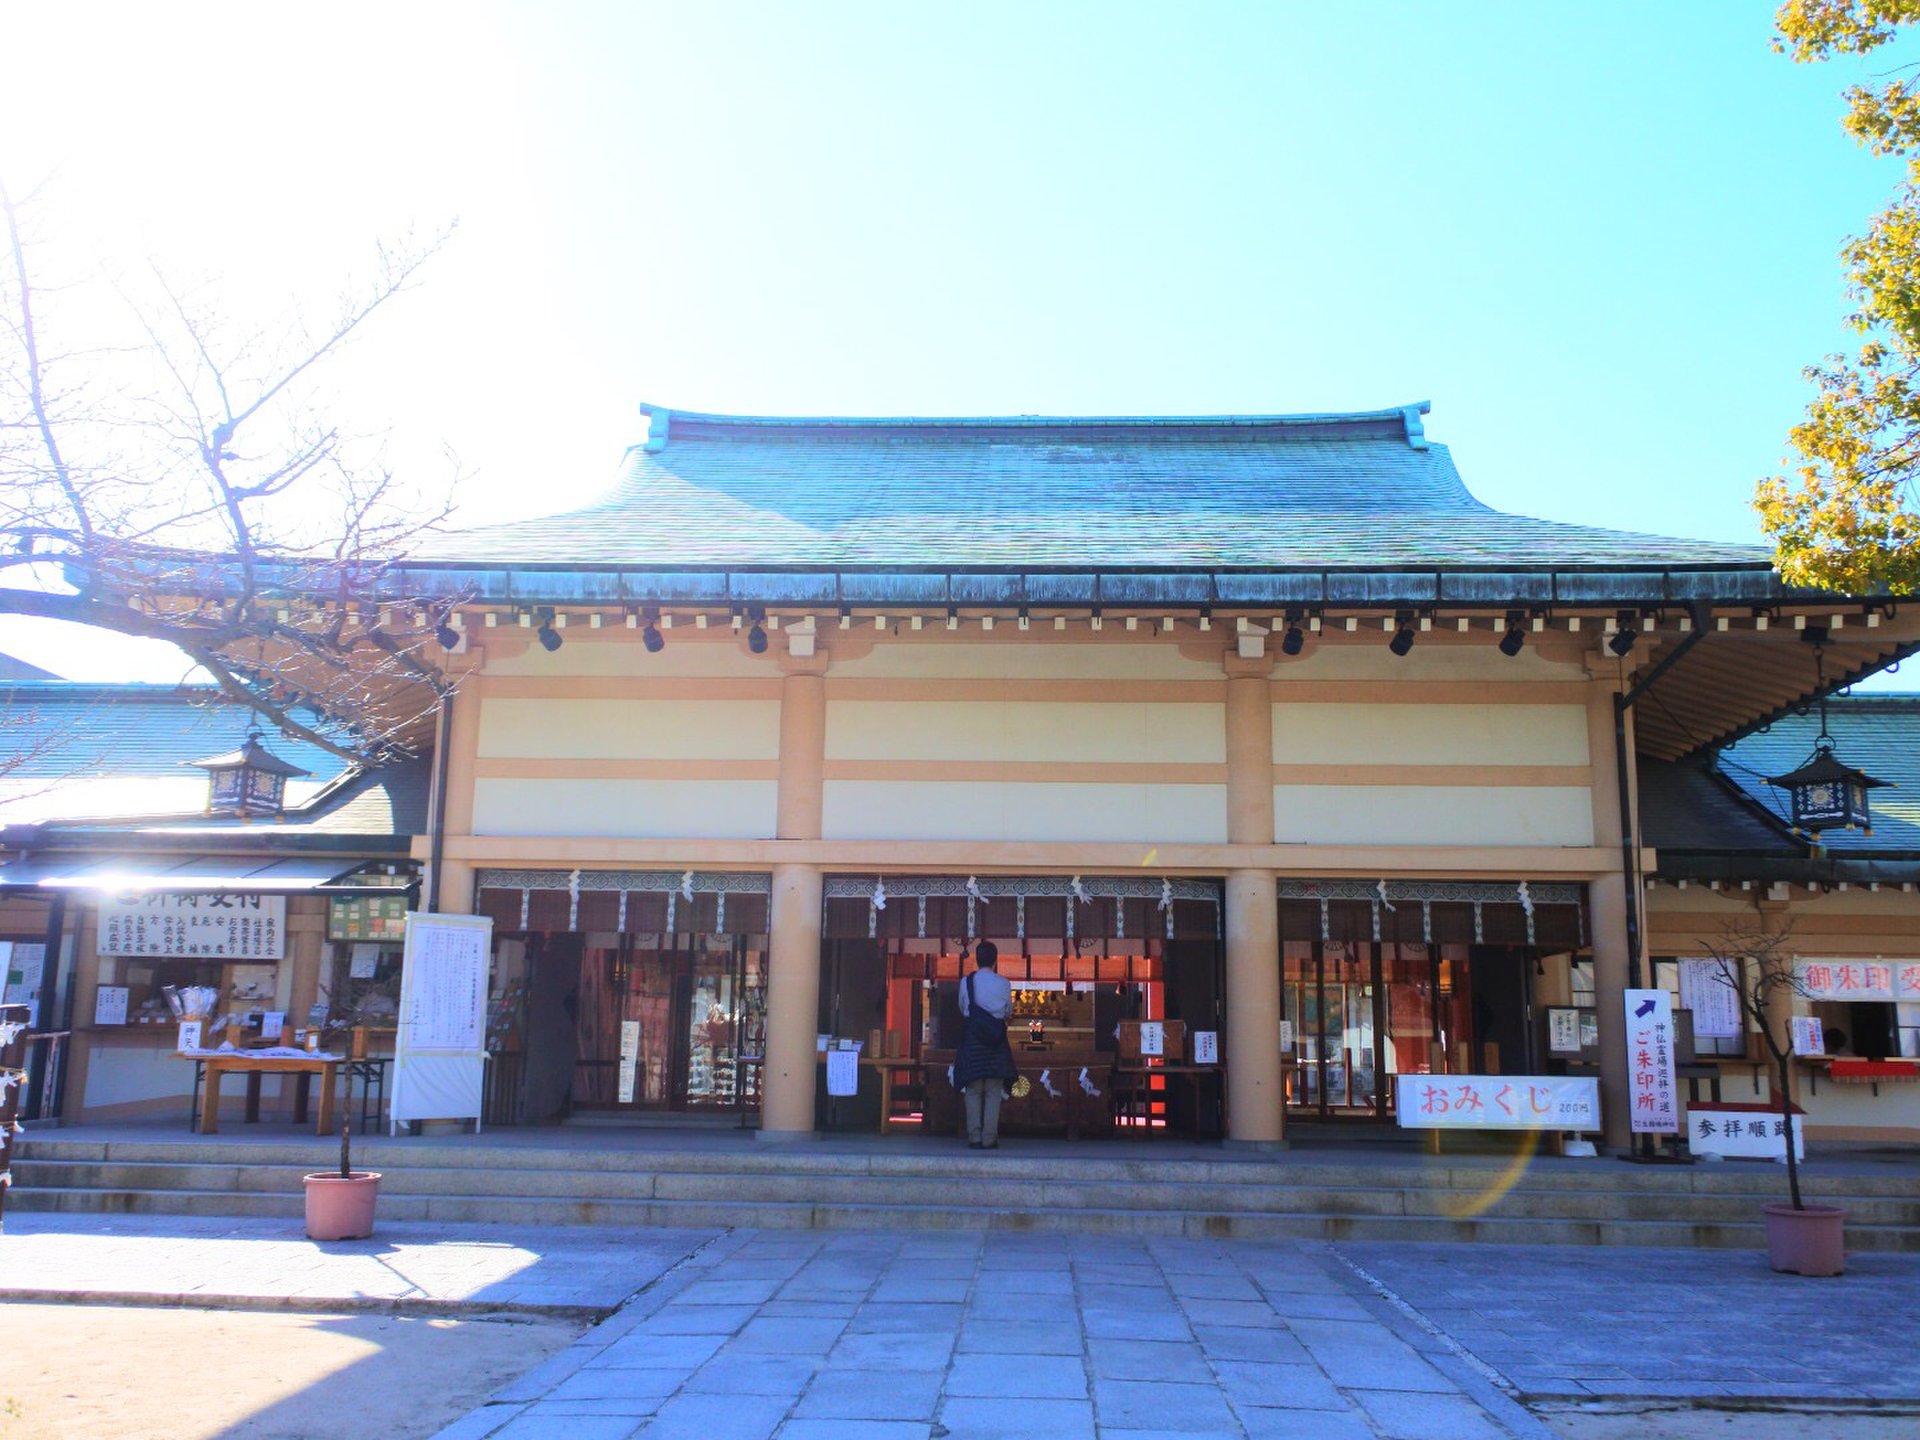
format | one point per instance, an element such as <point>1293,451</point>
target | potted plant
<point>340,1205</point>
<point>1754,962</point>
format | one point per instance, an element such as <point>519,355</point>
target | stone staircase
<point>525,1178</point>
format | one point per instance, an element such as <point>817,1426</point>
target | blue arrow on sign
<point>1646,1009</point>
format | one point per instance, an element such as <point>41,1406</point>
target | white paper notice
<point>1286,1037</point>
<point>843,1072</point>
<point>629,1058</point>
<point>1153,1038</point>
<point>444,985</point>
<point>21,965</point>
<point>272,1024</point>
<point>1563,1031</point>
<point>189,1036</point>
<point>1651,1088</point>
<point>1809,1038</point>
<point>1206,1047</point>
<point>110,1005</point>
<point>1704,990</point>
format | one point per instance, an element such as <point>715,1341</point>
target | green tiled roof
<point>1207,493</point>
<point>122,757</point>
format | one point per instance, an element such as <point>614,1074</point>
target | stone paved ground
<point>757,1334</point>
<point>1582,1323</point>
<point>419,1269</point>
<point>904,1336</point>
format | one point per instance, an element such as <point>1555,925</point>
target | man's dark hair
<point>987,956</point>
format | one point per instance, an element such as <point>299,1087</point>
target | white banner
<point>439,1054</point>
<point>1498,1102</point>
<point>1652,1091</point>
<point>1889,980</point>
<point>221,926</point>
<point>1706,991</point>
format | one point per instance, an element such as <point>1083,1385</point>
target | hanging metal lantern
<point>249,781</point>
<point>1825,792</point>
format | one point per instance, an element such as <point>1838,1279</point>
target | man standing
<point>984,1065</point>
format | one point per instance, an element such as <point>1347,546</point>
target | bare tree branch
<point>185,488</point>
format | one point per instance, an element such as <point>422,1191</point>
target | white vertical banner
<point>1652,1089</point>
<point>440,1052</point>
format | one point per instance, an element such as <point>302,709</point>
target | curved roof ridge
<point>665,423</point>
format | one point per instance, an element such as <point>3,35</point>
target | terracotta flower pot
<point>340,1209</point>
<point>1812,1241</point>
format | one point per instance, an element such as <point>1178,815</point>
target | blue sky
<point>1601,239</point>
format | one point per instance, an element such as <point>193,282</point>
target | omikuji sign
<point>218,926</point>
<point>1498,1102</point>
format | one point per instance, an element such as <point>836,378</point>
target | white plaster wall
<point>1432,815</point>
<point>1849,1104</point>
<point>618,651</point>
<point>645,809</point>
<point>1029,657</point>
<point>1024,730</point>
<point>1341,734</point>
<point>118,1074</point>
<point>630,729</point>
<point>1373,661</point>
<point>913,810</point>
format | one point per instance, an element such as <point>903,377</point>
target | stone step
<point>1494,1229</point>
<point>391,1156</point>
<point>1171,1192</point>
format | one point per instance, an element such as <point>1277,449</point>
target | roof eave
<point>1712,582</point>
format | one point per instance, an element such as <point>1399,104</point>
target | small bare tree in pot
<point>340,1204</point>
<point>1756,965</point>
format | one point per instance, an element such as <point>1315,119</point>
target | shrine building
<point>1262,728</point>
<point>1283,773</point>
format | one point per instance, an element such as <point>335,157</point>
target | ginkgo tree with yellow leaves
<point>1844,515</point>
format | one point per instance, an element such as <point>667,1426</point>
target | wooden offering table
<point>1133,1085</point>
<point>887,1067</point>
<point>219,1063</point>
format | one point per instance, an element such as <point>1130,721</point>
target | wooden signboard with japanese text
<point>212,924</point>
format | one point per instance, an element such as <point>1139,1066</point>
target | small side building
<point>1849,901</point>
<point>139,853</point>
